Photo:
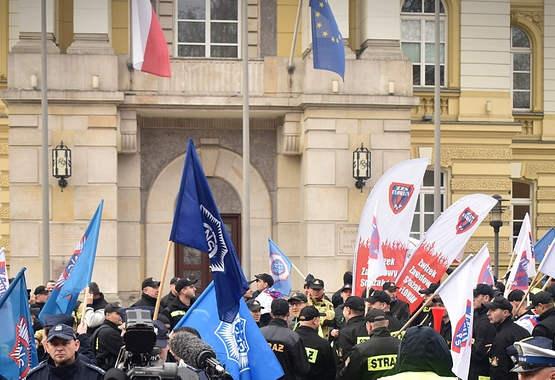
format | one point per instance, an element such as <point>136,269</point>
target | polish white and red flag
<point>524,243</point>
<point>482,266</point>
<point>150,49</point>
<point>440,246</point>
<point>397,192</point>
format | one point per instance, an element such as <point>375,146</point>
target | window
<point>418,40</point>
<point>424,212</point>
<point>208,28</point>
<point>521,204</point>
<point>521,54</point>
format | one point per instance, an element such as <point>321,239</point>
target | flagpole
<point>162,280</point>
<point>297,269</point>
<point>532,285</point>
<point>513,254</point>
<point>546,282</point>
<point>246,232</point>
<point>290,67</point>
<point>437,118</point>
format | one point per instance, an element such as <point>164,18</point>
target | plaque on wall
<point>347,239</point>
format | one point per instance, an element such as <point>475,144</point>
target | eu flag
<point>280,267</point>
<point>327,41</point>
<point>197,223</point>
<point>540,248</point>
<point>18,353</point>
<point>239,345</point>
<point>77,273</point>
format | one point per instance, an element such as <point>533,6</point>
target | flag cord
<point>162,280</point>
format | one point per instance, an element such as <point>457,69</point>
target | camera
<point>139,359</point>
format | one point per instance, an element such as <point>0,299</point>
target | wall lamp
<point>362,166</point>
<point>61,164</point>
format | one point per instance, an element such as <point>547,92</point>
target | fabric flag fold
<point>150,49</point>
<point>239,345</point>
<point>4,279</point>
<point>376,263</point>
<point>397,192</point>
<point>19,353</point>
<point>197,223</point>
<point>518,277</point>
<point>524,244</point>
<point>547,266</point>
<point>457,296</point>
<point>280,268</point>
<point>327,41</point>
<point>540,248</point>
<point>77,274</point>
<point>482,264</point>
<point>440,245</point>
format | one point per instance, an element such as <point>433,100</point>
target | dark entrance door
<point>192,263</point>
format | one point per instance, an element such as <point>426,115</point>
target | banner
<point>524,244</point>
<point>540,248</point>
<point>440,245</point>
<point>482,264</point>
<point>547,266</point>
<point>280,268</point>
<point>4,279</point>
<point>397,191</point>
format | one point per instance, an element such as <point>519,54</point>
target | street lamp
<point>362,166</point>
<point>496,222</point>
<point>61,164</point>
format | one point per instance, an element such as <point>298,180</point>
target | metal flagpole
<point>246,230</point>
<point>437,118</point>
<point>44,155</point>
<point>290,66</point>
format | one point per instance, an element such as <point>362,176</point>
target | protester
<point>542,303</point>
<point>95,304</point>
<point>165,301</point>
<point>186,296</point>
<point>318,349</point>
<point>256,309</point>
<point>536,359</point>
<point>381,300</point>
<point>264,282</point>
<point>399,308</point>
<point>64,363</point>
<point>339,320</point>
<point>371,359</point>
<point>483,333</point>
<point>41,296</point>
<point>297,302</point>
<point>161,339</point>
<point>107,340</point>
<point>336,298</point>
<point>150,293</point>
<point>425,318</point>
<point>515,297</point>
<point>353,333</point>
<point>323,305</point>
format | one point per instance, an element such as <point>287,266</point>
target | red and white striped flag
<point>150,49</point>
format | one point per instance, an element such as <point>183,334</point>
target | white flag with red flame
<point>397,191</point>
<point>440,245</point>
<point>482,264</point>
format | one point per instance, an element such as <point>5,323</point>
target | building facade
<point>128,130</point>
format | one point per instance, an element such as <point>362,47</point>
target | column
<point>92,24</point>
<point>549,71</point>
<point>379,23</point>
<point>30,27</point>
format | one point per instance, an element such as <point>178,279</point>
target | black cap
<point>150,281</point>
<point>59,319</point>
<point>308,280</point>
<point>253,304</point>
<point>346,287</point>
<point>174,280</point>
<point>355,303</point>
<point>266,278</point>
<point>542,297</point>
<point>184,282</point>
<point>280,307</point>
<point>298,297</point>
<point>389,285</point>
<point>112,307</point>
<point>430,290</point>
<point>379,296</point>
<point>61,331</point>
<point>41,289</point>
<point>317,284</point>
<point>515,295</point>
<point>375,315</point>
<point>484,289</point>
<point>308,313</point>
<point>498,302</point>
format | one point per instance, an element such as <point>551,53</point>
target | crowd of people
<point>313,336</point>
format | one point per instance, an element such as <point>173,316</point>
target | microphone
<point>195,353</point>
<point>114,374</point>
<point>207,361</point>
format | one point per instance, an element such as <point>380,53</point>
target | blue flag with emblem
<point>280,268</point>
<point>540,248</point>
<point>327,41</point>
<point>77,274</point>
<point>17,341</point>
<point>239,345</point>
<point>197,223</point>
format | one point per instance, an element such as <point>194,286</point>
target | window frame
<point>522,202</point>
<point>521,50</point>
<point>207,41</point>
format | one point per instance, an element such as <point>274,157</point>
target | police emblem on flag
<point>280,271</point>
<point>462,331</point>
<point>467,219</point>
<point>399,196</point>
<point>234,338</point>
<point>21,351</point>
<point>217,248</point>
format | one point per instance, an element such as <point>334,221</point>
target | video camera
<point>139,359</point>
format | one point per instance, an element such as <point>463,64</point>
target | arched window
<point>521,69</point>
<point>521,205</point>
<point>418,39</point>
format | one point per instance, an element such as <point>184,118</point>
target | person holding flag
<point>544,307</point>
<point>483,333</point>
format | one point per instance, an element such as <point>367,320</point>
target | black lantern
<point>496,222</point>
<point>61,164</point>
<point>362,166</point>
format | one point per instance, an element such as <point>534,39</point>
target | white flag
<point>524,244</point>
<point>376,264</point>
<point>547,266</point>
<point>482,265</point>
<point>4,282</point>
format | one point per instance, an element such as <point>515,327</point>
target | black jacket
<point>79,370</point>
<point>145,300</point>
<point>320,354</point>
<point>506,333</point>
<point>483,333</point>
<point>353,333</point>
<point>288,348</point>
<point>371,359</point>
<point>107,342</point>
<point>176,310</point>
<point>165,301</point>
<point>394,324</point>
<point>400,310</point>
<point>546,324</point>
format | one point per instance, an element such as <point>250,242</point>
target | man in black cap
<point>483,333</point>
<point>95,304</point>
<point>381,300</point>
<point>64,361</point>
<point>339,320</point>
<point>165,301</point>
<point>354,331</point>
<point>536,359</point>
<point>371,359</point>
<point>507,332</point>
<point>107,340</point>
<point>286,344</point>
<point>255,308</point>
<point>297,302</point>
<point>186,293</point>
<point>399,308</point>
<point>323,305</point>
<point>318,350</point>
<point>336,298</point>
<point>515,297</point>
<point>41,296</point>
<point>150,292</point>
<point>542,303</point>
<point>264,282</point>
